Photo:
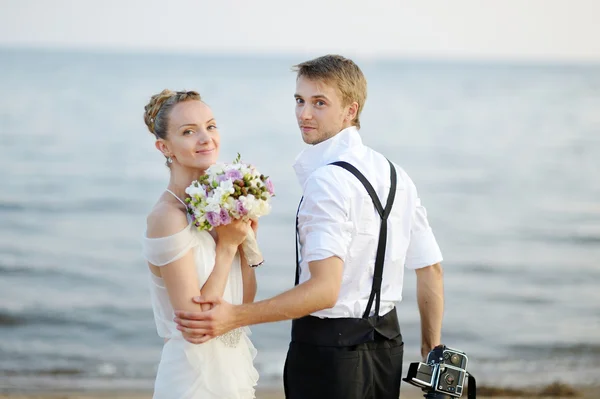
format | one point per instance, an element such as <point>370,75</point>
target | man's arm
<point>325,234</point>
<point>317,293</point>
<point>430,298</point>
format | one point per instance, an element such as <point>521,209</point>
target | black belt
<point>344,331</point>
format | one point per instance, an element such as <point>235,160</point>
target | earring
<point>169,160</point>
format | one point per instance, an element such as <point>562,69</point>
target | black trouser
<point>368,370</point>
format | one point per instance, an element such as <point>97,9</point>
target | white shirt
<point>337,218</point>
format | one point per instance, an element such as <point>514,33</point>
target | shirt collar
<point>325,152</point>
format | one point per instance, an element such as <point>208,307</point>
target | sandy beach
<point>408,392</point>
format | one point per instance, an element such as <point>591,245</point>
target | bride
<point>184,261</point>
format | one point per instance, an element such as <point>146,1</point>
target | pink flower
<point>234,174</point>
<point>221,178</point>
<point>213,218</point>
<point>240,208</point>
<point>224,216</point>
<point>269,185</point>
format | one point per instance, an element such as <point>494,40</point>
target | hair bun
<point>153,106</point>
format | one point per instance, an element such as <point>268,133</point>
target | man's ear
<point>352,111</point>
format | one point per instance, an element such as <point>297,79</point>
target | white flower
<point>229,204</point>
<point>213,204</point>
<point>263,208</point>
<point>249,203</point>
<point>194,191</point>
<point>227,186</point>
<point>215,170</point>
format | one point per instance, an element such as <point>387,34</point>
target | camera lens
<point>449,378</point>
<point>455,359</point>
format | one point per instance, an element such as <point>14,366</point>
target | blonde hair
<point>156,112</point>
<point>340,72</point>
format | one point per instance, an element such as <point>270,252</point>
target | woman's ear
<point>162,146</point>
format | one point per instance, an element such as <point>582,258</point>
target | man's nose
<point>305,113</point>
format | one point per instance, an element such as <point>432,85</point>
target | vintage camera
<point>444,372</point>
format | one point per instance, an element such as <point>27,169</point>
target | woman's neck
<point>181,179</point>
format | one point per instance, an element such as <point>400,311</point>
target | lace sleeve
<point>164,250</point>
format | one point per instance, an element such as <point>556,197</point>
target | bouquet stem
<point>251,251</point>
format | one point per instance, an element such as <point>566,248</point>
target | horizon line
<point>274,54</point>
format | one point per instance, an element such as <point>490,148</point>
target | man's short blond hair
<point>341,73</point>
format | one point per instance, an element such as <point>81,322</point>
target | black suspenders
<point>383,215</point>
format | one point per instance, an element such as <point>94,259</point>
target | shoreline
<point>554,390</point>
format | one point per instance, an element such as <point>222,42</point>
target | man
<point>346,340</point>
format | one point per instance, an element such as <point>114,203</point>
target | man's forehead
<point>315,88</point>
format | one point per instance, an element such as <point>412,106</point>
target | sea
<point>505,155</point>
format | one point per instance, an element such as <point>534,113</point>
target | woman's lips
<point>204,152</point>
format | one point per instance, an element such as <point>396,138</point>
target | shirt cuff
<point>321,245</point>
<point>423,250</point>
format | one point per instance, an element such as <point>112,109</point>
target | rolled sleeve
<point>423,249</point>
<point>324,223</point>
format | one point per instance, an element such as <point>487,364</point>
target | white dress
<point>221,368</point>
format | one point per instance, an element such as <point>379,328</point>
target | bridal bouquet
<point>231,191</point>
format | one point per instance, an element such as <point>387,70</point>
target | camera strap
<point>472,386</point>
<point>383,215</point>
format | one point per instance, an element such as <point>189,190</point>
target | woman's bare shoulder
<point>165,219</point>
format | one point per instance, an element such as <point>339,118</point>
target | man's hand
<point>200,327</point>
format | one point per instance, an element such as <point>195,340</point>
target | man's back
<point>337,216</point>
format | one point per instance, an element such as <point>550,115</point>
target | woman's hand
<point>232,234</point>
<point>254,225</point>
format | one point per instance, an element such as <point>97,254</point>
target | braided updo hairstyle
<point>156,115</point>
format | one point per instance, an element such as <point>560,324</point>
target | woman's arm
<point>248,279</point>
<point>180,277</point>
<point>229,237</point>
<point>248,273</point>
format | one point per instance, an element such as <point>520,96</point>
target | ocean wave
<point>545,237</point>
<point>94,205</point>
<point>11,207</point>
<point>558,350</point>
<point>48,372</point>
<point>73,318</point>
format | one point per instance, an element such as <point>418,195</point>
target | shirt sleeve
<point>423,249</point>
<point>324,223</point>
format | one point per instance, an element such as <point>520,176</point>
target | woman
<point>184,261</point>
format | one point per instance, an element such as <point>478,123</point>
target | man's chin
<point>310,139</point>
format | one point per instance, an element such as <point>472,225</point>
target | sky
<point>549,30</point>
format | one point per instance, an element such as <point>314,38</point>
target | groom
<point>359,224</point>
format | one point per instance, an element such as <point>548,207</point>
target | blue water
<point>506,159</point>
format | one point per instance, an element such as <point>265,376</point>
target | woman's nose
<point>203,136</point>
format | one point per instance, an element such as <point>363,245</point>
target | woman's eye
<point>299,101</point>
<point>320,103</point>
<point>212,127</point>
<point>188,132</point>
